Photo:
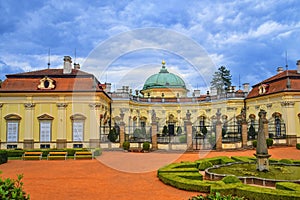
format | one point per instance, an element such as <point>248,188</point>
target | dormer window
<point>46,84</point>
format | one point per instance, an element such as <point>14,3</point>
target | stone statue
<point>188,115</point>
<point>262,149</point>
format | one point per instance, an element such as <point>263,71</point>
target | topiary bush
<point>204,165</point>
<point>12,189</point>
<point>182,139</point>
<point>3,157</point>
<point>254,143</point>
<point>298,146</point>
<point>146,146</point>
<point>231,179</point>
<point>126,145</point>
<point>269,142</point>
<point>113,135</point>
<point>97,152</point>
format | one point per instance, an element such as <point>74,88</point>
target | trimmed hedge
<point>231,179</point>
<point>216,160</point>
<point>286,161</point>
<point>246,159</point>
<point>175,175</point>
<point>204,165</point>
<point>3,157</point>
<point>287,186</point>
<point>298,146</point>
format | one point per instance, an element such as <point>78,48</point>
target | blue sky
<point>124,42</point>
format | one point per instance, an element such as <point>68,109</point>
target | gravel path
<point>113,175</point>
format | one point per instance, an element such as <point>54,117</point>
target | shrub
<point>97,152</point>
<point>14,153</point>
<point>182,139</point>
<point>254,143</point>
<point>298,146</point>
<point>231,179</point>
<point>269,142</point>
<point>146,146</point>
<point>216,196</point>
<point>204,165</point>
<point>113,136</point>
<point>12,189</point>
<point>179,130</point>
<point>3,157</point>
<point>288,186</point>
<point>286,161</point>
<point>126,145</point>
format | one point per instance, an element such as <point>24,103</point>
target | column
<point>122,134</point>
<point>154,135</point>
<point>154,130</point>
<point>61,138</point>
<point>244,134</point>
<point>94,140</point>
<point>28,131</point>
<point>122,129</point>
<point>189,131</point>
<point>218,132</point>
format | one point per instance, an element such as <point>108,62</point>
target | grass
<point>277,172</point>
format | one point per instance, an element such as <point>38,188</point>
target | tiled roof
<point>28,82</point>
<point>50,72</point>
<point>278,83</point>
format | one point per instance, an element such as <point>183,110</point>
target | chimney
<point>279,70</point>
<point>197,93</point>
<point>298,66</point>
<point>108,87</point>
<point>67,65</point>
<point>77,66</point>
<point>246,87</point>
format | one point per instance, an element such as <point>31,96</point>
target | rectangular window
<point>77,146</point>
<point>45,146</point>
<point>11,146</point>
<point>78,131</point>
<point>45,131</point>
<point>12,131</point>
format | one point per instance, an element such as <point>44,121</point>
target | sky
<point>124,42</point>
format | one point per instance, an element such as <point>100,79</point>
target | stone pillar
<point>61,140</point>
<point>94,140</point>
<point>189,131</point>
<point>28,130</point>
<point>154,130</point>
<point>154,135</point>
<point>244,134</point>
<point>218,132</point>
<point>122,134</point>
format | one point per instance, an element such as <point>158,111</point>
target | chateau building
<point>52,108</point>
<point>60,108</point>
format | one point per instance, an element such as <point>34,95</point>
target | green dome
<point>164,79</point>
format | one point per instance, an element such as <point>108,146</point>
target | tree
<point>221,80</point>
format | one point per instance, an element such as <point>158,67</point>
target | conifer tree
<point>221,80</point>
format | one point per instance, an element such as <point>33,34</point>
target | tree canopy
<point>221,80</point>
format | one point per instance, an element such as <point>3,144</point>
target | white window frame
<point>78,132</point>
<point>45,131</point>
<point>12,135</point>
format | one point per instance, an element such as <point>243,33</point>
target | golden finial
<point>163,62</point>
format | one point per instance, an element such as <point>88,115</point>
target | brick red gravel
<point>114,175</point>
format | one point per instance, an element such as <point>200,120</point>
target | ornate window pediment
<point>77,117</point>
<point>46,84</point>
<point>12,117</point>
<point>45,117</point>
